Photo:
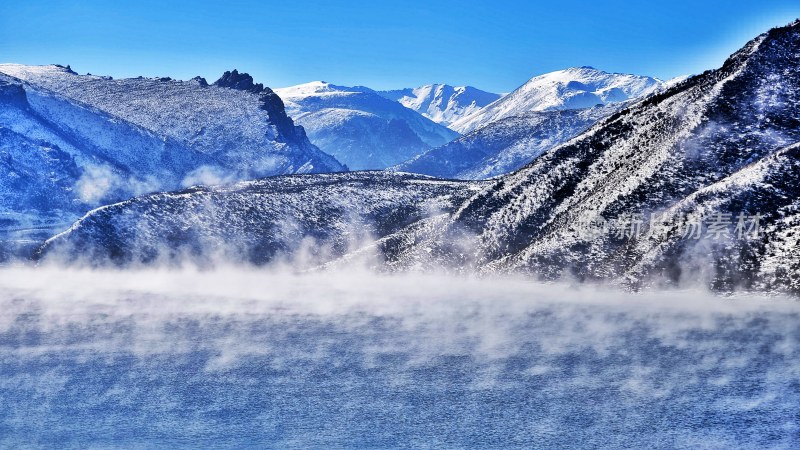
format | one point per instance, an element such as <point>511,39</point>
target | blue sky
<point>494,45</point>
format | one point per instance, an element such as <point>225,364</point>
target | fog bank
<point>240,357</point>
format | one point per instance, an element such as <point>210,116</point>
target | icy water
<point>235,359</point>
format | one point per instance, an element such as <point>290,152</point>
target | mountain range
<point>647,191</point>
<point>241,124</point>
<point>545,112</point>
<point>721,143</point>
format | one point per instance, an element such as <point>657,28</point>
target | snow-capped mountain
<point>71,143</point>
<point>573,88</point>
<point>359,127</point>
<point>506,145</point>
<point>442,103</point>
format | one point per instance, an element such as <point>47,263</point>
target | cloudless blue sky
<point>494,45</point>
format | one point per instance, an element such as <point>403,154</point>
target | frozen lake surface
<point>240,359</point>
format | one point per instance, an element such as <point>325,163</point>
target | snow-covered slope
<point>723,142</point>
<point>59,158</point>
<point>238,123</point>
<point>506,145</point>
<point>442,103</point>
<point>306,220</point>
<point>359,127</point>
<point>71,143</point>
<point>577,87</point>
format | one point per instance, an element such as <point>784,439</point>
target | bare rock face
<point>241,81</point>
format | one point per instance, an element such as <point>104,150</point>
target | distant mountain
<point>70,143</point>
<point>359,127</point>
<point>442,103</point>
<point>506,145</point>
<point>574,88</point>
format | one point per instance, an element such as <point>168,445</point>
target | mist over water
<point>257,358</point>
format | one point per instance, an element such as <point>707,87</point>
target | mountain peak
<point>582,69</point>
<point>584,72</point>
<point>200,80</point>
<point>767,49</point>
<point>240,81</point>
<point>571,88</point>
<point>319,88</point>
<point>66,69</point>
<point>793,27</point>
<point>443,103</point>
